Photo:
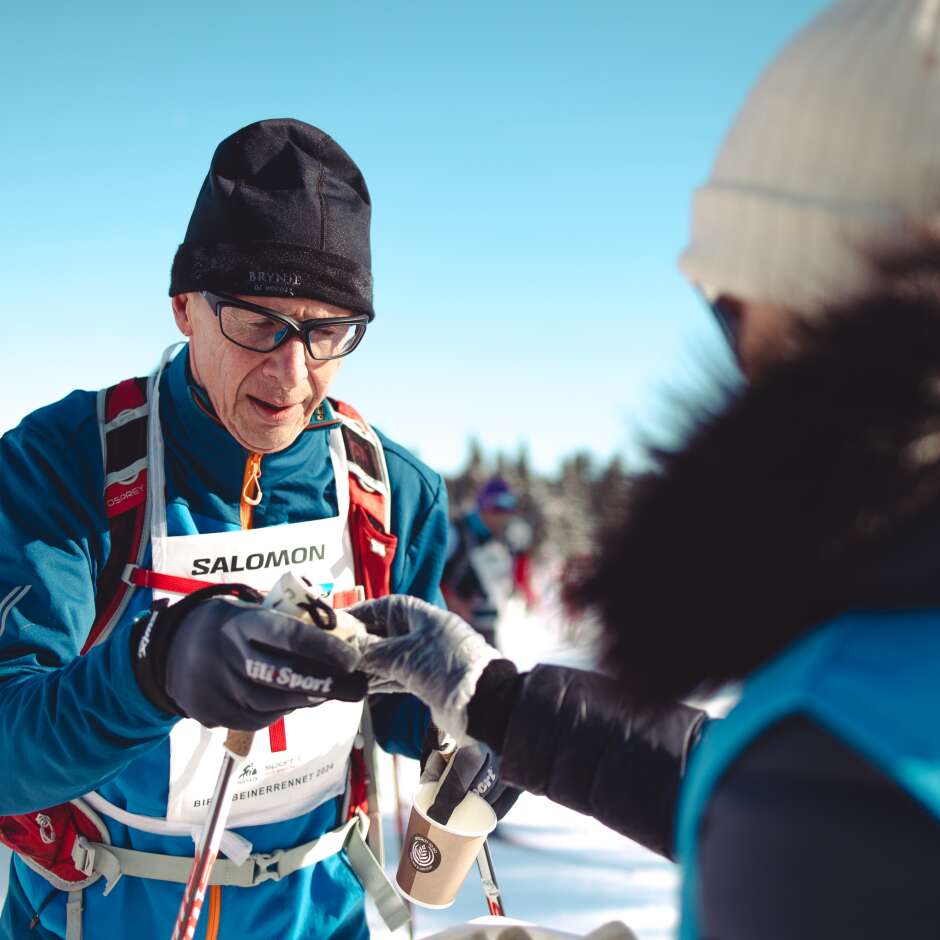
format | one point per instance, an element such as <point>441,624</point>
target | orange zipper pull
<point>251,489</point>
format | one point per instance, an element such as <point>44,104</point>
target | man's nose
<point>287,363</point>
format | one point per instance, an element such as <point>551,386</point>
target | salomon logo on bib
<point>258,560</point>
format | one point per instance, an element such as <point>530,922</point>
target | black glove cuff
<point>152,634</point>
<point>489,709</point>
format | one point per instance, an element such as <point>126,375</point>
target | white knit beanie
<point>836,151</point>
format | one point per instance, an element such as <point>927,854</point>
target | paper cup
<point>435,859</point>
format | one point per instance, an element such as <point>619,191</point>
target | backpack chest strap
<point>113,863</point>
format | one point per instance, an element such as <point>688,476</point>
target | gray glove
<point>470,769</point>
<point>233,663</point>
<point>426,651</point>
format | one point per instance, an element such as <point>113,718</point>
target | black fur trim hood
<point>813,491</point>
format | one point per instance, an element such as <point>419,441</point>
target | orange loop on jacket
<point>251,489</point>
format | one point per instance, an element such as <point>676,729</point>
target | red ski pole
<point>237,746</point>
<point>494,898</point>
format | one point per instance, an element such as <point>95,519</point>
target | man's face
<point>264,400</point>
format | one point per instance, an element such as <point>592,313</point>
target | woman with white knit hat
<point>791,542</point>
<point>834,153</point>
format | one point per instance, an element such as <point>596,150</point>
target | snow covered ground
<point>554,867</point>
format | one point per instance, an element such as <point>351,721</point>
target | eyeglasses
<point>262,330</point>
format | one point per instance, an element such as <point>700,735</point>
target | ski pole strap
<point>113,862</point>
<point>374,839</point>
<point>392,909</point>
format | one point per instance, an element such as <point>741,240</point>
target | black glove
<point>470,769</point>
<point>230,662</point>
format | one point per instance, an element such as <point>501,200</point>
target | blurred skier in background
<point>789,541</point>
<point>488,559</point>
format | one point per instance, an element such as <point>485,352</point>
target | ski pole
<point>494,898</point>
<point>289,595</point>
<point>237,746</point>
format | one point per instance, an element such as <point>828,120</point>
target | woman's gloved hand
<point>429,652</point>
<point>228,661</point>
<point>473,768</point>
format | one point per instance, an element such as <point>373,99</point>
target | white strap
<point>155,452</point>
<point>73,916</point>
<point>340,472</point>
<point>341,478</point>
<point>233,845</point>
<point>113,862</point>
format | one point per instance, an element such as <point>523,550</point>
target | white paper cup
<point>435,859</point>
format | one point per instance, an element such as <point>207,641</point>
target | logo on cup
<point>424,855</point>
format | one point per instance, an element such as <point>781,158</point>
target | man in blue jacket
<point>229,465</point>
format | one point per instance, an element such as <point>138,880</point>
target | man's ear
<point>182,312</point>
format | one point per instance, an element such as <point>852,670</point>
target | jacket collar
<point>195,435</point>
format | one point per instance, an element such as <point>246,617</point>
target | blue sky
<point>530,165</point>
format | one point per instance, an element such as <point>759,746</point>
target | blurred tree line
<point>565,509</point>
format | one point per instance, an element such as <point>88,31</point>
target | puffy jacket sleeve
<point>67,722</point>
<point>419,519</point>
<point>568,739</point>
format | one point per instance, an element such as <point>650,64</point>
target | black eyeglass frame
<point>217,300</point>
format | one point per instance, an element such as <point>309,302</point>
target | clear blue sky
<point>530,165</point>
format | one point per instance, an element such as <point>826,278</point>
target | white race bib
<point>284,775</point>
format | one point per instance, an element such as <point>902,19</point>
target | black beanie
<point>283,211</point>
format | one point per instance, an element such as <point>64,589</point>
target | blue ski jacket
<point>70,724</point>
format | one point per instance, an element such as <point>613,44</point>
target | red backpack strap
<point>374,545</point>
<point>122,422</point>
<point>370,502</point>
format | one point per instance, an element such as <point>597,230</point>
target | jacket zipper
<point>251,496</point>
<point>215,912</point>
<point>251,490</point>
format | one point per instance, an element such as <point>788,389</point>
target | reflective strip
<point>127,475</point>
<point>10,601</point>
<point>126,416</point>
